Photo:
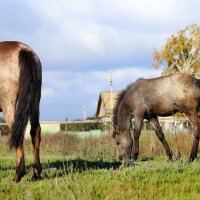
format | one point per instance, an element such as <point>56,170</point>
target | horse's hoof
<point>190,160</point>
<point>36,177</point>
<point>18,177</point>
<point>170,160</point>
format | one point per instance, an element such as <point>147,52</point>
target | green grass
<point>91,171</point>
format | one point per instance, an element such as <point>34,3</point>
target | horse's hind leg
<point>195,121</point>
<point>36,138</point>
<point>20,163</point>
<point>156,126</point>
<point>9,113</point>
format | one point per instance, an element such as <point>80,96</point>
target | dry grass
<point>100,148</point>
<point>69,145</point>
<point>151,146</point>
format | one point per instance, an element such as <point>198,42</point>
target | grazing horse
<point>20,91</point>
<point>150,98</point>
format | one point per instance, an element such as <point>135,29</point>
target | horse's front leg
<point>156,126</point>
<point>20,163</point>
<point>136,135</point>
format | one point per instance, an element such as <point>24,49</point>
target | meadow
<point>88,168</point>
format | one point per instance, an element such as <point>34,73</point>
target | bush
<point>85,126</point>
<point>4,129</point>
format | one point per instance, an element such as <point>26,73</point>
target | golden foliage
<point>181,52</point>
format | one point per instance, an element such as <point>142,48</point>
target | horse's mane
<point>119,98</point>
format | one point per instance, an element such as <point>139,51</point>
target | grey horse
<point>150,98</point>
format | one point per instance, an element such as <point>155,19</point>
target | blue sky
<point>80,41</point>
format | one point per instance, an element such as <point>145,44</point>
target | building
<point>105,105</point>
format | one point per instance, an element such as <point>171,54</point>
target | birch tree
<point>181,53</point>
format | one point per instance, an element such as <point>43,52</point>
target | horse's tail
<point>29,84</point>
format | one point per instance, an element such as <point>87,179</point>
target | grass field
<point>88,168</point>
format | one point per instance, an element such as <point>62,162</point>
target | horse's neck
<point>124,118</point>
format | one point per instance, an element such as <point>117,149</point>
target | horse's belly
<point>163,109</point>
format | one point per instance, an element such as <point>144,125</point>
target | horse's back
<point>12,45</point>
<point>171,85</point>
<point>176,85</point>
<point>165,94</point>
<point>9,59</point>
<point>10,69</point>
<point>8,49</point>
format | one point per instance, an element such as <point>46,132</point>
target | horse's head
<point>121,126</point>
<point>124,144</point>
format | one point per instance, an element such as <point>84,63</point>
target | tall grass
<point>101,148</point>
<point>151,146</point>
<point>105,148</point>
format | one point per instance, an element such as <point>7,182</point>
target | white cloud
<point>91,40</point>
<point>80,33</point>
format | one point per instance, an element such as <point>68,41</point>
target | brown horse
<point>150,98</point>
<point>20,91</point>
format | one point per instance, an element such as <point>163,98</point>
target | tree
<point>181,53</point>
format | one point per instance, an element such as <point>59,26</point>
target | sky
<point>80,42</point>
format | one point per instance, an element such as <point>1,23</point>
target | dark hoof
<point>18,177</point>
<point>36,177</point>
<point>191,160</point>
<point>170,160</point>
